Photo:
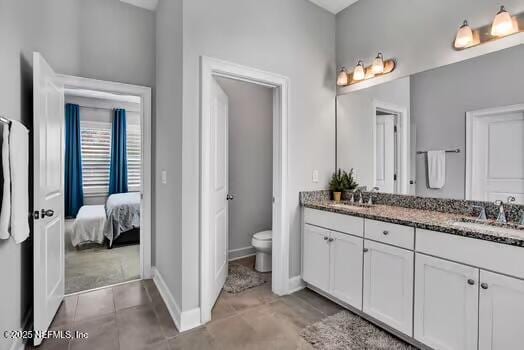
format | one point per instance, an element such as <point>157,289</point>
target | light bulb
<point>464,36</point>
<point>359,73</point>
<point>378,64</point>
<point>342,79</point>
<point>502,23</point>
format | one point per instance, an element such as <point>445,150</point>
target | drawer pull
<point>471,282</point>
<point>366,250</point>
<point>385,232</point>
<point>484,285</point>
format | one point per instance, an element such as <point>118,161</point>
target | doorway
<point>49,182</point>
<point>213,198</point>
<point>391,150</point>
<point>491,172</point>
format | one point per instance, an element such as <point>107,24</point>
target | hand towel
<point>436,169</point>
<point>19,159</point>
<point>5,213</point>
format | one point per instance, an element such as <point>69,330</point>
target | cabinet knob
<point>484,285</point>
<point>471,282</point>
<point>331,239</point>
<point>385,232</point>
<point>326,238</point>
<point>366,250</point>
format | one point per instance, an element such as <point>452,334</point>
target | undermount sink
<point>353,205</point>
<point>490,226</point>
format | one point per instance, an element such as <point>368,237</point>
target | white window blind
<point>96,156</point>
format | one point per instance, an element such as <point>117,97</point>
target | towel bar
<point>447,151</point>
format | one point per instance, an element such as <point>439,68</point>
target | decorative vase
<point>336,196</point>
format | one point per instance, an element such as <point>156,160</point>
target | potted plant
<point>342,181</point>
<point>337,184</point>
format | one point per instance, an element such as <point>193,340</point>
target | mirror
<point>471,113</point>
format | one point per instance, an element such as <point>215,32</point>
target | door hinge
<point>395,128</point>
<point>395,177</point>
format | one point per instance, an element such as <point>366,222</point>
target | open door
<point>219,155</point>
<point>48,233</point>
<point>385,153</point>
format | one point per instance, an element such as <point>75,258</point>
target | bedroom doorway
<point>106,181</point>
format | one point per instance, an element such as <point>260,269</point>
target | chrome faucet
<point>501,218</point>
<point>360,201</point>
<point>482,212</point>
<point>370,200</point>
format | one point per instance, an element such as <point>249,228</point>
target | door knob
<point>230,197</point>
<point>46,212</point>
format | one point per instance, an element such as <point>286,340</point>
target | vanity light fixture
<point>503,25</point>
<point>378,64</point>
<point>359,73</point>
<point>464,36</point>
<point>342,78</point>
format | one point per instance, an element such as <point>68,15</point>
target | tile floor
<point>133,316</point>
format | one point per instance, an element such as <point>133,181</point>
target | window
<point>96,156</point>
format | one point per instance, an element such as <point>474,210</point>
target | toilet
<point>262,242</point>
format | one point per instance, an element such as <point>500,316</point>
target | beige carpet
<point>96,266</point>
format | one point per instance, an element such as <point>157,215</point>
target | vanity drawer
<point>333,221</point>
<point>398,235</point>
<point>487,255</point>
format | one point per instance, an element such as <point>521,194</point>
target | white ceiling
<point>146,4</point>
<point>334,6</point>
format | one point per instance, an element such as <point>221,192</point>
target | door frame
<point>403,132</point>
<point>209,68</point>
<point>473,118</point>
<point>144,93</point>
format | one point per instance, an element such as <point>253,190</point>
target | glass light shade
<point>502,24</point>
<point>359,72</point>
<point>464,36</point>
<point>342,79</point>
<point>378,65</point>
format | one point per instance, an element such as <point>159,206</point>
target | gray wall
<point>102,39</point>
<point>440,99</point>
<point>250,162</point>
<point>294,38</point>
<point>167,207</point>
<point>418,33</point>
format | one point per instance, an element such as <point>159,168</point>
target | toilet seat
<point>263,235</point>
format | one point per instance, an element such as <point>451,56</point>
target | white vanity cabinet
<point>501,312</point>
<point>446,302</point>
<point>315,266</point>
<point>388,285</point>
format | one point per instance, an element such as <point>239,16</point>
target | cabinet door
<point>446,304</point>
<point>346,268</point>
<point>388,285</point>
<point>316,257</point>
<point>501,315</point>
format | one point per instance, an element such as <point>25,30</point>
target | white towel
<point>5,214</point>
<point>19,159</point>
<point>436,169</point>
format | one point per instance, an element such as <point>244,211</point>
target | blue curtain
<point>118,169</point>
<point>73,189</point>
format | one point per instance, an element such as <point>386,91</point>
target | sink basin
<point>489,226</point>
<point>352,205</point>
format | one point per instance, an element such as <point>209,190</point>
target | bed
<point>123,216</point>
<point>89,225</point>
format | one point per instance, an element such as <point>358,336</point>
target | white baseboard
<point>184,320</point>
<point>295,284</point>
<point>235,254</point>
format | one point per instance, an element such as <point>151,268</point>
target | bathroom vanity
<point>436,279</point>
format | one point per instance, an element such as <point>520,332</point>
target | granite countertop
<point>429,220</point>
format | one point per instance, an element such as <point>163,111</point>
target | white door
<point>346,268</point>
<point>497,157</point>
<point>446,309</point>
<point>315,265</point>
<point>501,314</point>
<point>385,152</point>
<point>388,285</point>
<point>219,185</point>
<point>48,234</point>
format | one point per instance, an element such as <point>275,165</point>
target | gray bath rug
<point>241,278</point>
<point>345,330</point>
